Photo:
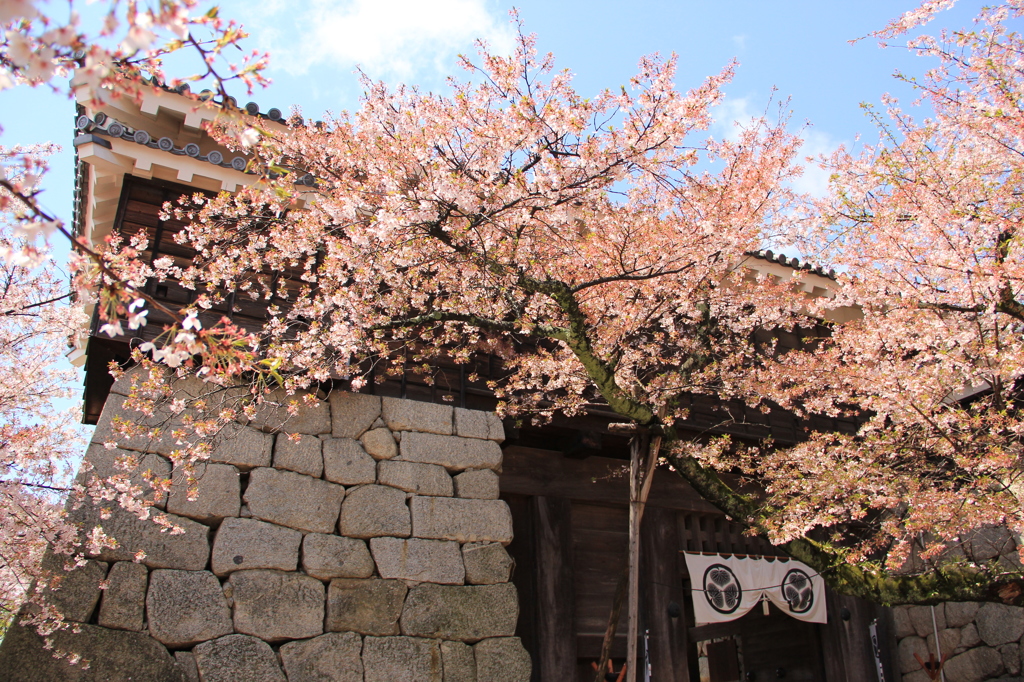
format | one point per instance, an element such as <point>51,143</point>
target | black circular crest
<point>722,588</point>
<point>798,591</point>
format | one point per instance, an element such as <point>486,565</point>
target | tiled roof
<point>795,263</point>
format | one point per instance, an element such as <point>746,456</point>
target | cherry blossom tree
<point>37,445</point>
<point>925,225</point>
<point>596,246</point>
<point>120,57</point>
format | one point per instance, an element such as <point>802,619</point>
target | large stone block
<point>901,622</point>
<point>446,518</point>
<point>451,452</point>
<point>311,418</point>
<point>124,601</point>
<point>458,662</point>
<point>949,640</point>
<point>906,649</point>
<point>487,563</point>
<point>369,607</point>
<point>186,662</point>
<point>502,659</point>
<point>478,484</point>
<point>113,655</point>
<point>412,415</point>
<point>999,624</point>
<point>379,443</point>
<point>352,413</point>
<point>294,500</point>
<point>969,636</point>
<point>334,657</point>
<point>430,561</point>
<point>413,477</point>
<point>974,665</point>
<point>959,614</point>
<point>275,606</point>
<point>462,613</point>
<point>242,544</point>
<point>302,455</point>
<point>237,658</point>
<point>921,619</point>
<point>218,492</point>
<point>390,659</point>
<point>374,511</point>
<point>346,462</point>
<point>75,592</point>
<point>478,424</point>
<point>330,556</point>
<point>1011,658</point>
<point>102,463</point>
<point>158,436</point>
<point>188,551</point>
<point>243,446</point>
<point>186,607</point>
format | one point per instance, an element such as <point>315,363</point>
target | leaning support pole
<point>613,624</point>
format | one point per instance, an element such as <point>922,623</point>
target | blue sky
<point>799,47</point>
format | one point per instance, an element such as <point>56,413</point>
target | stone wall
<point>986,641</point>
<point>363,540</point>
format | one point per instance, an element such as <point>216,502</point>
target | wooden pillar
<point>556,635</point>
<point>662,580</point>
<point>846,644</point>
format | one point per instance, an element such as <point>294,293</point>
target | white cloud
<point>389,39</point>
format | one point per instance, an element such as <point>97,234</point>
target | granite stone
<point>294,500</point>
<point>124,601</point>
<point>275,606</point>
<point>186,607</point>
<point>242,544</point>
<point>217,488</point>
<point>237,658</point>
<point>347,463</point>
<point>302,455</point>
<point>413,415</point>
<point>331,556</point>
<point>352,413</point>
<point>369,607</point>
<point>375,511</point>
<point>453,453</point>
<point>446,518</point>
<point>413,477</point>
<point>333,657</point>
<point>431,561</point>
<point>465,613</point>
<point>389,659</point>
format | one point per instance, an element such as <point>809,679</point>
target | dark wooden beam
<point>531,471</point>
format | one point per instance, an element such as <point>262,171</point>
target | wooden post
<point>636,462</point>
<point>642,462</point>
<point>643,459</point>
